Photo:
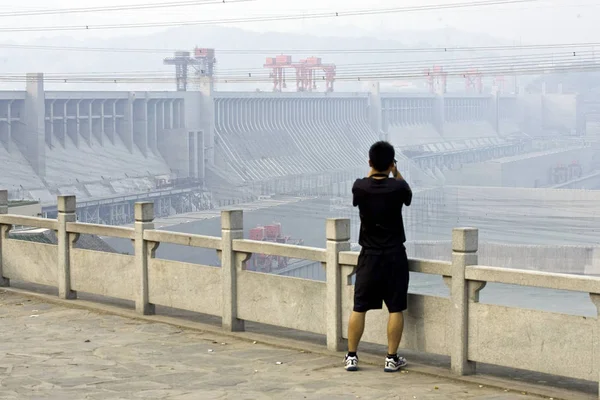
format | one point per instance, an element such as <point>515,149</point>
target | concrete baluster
<point>4,282</point>
<point>3,202</point>
<point>596,300</point>
<point>232,228</point>
<point>66,213</point>
<point>594,267</point>
<point>338,239</point>
<point>464,253</point>
<point>144,217</point>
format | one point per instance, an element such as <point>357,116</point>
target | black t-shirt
<point>380,202</point>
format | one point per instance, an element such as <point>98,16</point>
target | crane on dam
<point>305,71</point>
<point>203,63</point>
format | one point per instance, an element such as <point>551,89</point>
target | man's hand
<point>395,173</point>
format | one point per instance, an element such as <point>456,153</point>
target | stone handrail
<point>280,249</point>
<point>100,230</point>
<point>432,267</point>
<point>570,259</point>
<point>183,239</point>
<point>458,326</point>
<point>546,280</point>
<point>34,222</point>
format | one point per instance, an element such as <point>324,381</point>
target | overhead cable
<point>269,18</point>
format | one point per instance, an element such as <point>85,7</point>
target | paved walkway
<point>52,352</point>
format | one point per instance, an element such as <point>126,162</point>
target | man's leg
<point>356,327</point>
<point>367,296</point>
<point>394,331</point>
<point>396,296</point>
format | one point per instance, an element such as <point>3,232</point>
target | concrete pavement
<point>48,351</point>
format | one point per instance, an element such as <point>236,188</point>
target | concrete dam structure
<point>274,136</point>
<point>189,150</point>
<point>277,135</point>
<point>84,142</point>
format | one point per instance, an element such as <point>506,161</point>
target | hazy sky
<point>543,21</point>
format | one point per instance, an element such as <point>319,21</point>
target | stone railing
<point>569,259</point>
<point>458,326</point>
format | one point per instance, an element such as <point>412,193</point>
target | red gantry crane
<point>278,64</point>
<point>474,81</point>
<point>306,74</point>
<point>436,79</point>
<point>306,70</point>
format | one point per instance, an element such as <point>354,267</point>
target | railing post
<point>67,206</point>
<point>232,228</point>
<point>464,253</point>
<point>338,239</point>
<point>594,267</point>
<point>3,201</point>
<point>595,297</point>
<point>4,282</point>
<point>144,217</point>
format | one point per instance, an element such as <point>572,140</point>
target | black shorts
<point>381,276</point>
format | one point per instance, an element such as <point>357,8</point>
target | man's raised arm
<point>356,194</point>
<point>404,187</point>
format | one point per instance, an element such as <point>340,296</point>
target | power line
<point>487,66</point>
<point>468,62</point>
<point>483,65</point>
<point>128,7</point>
<point>413,49</point>
<point>87,49</point>
<point>563,46</point>
<point>289,17</point>
<point>311,51</point>
<point>464,63</point>
<point>380,76</point>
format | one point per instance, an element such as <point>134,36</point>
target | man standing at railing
<point>382,271</point>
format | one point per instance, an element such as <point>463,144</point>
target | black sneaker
<point>394,364</point>
<point>351,363</point>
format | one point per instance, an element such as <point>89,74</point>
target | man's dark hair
<point>382,156</point>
